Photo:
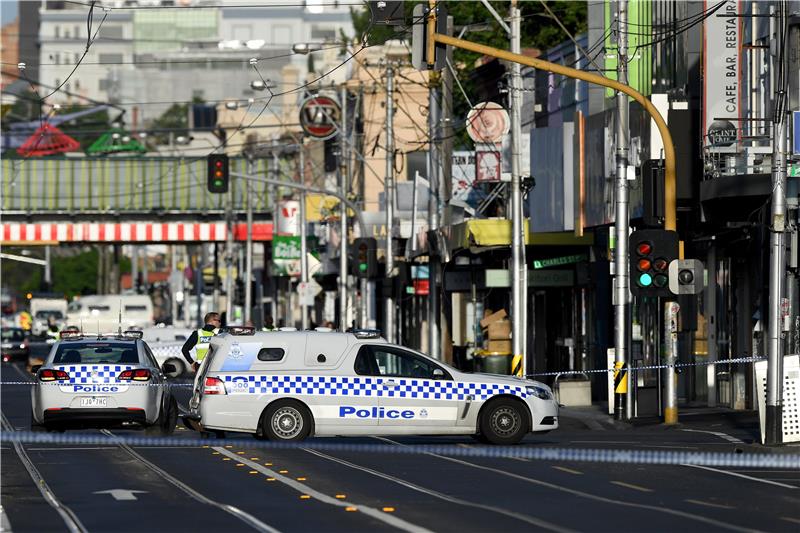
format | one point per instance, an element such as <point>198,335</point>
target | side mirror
<point>35,369</point>
<point>438,373</point>
<point>168,368</point>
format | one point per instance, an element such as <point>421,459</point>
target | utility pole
<point>621,224</point>
<point>248,276</point>
<point>303,242</point>
<point>344,179</point>
<point>519,365</point>
<point>228,259</point>
<point>388,318</point>
<point>777,258</point>
<point>434,344</point>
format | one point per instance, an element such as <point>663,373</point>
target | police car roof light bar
<point>70,334</point>
<point>367,333</point>
<point>132,334</point>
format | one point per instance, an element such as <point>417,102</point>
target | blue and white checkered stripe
<point>83,374</point>
<point>366,387</point>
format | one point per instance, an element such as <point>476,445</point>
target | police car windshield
<point>47,314</point>
<point>73,353</point>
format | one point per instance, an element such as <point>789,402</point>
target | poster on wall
<point>722,81</point>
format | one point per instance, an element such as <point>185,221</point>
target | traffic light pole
<point>621,226</point>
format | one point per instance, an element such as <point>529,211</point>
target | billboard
<point>722,43</point>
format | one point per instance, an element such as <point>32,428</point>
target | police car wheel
<point>286,420</point>
<point>503,422</point>
<point>166,421</point>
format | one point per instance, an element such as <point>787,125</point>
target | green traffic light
<point>661,280</point>
<point>362,267</point>
<point>645,280</point>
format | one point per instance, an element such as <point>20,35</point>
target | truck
<point>106,313</point>
<point>44,310</point>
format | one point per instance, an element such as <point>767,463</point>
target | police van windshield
<point>74,353</point>
<point>47,314</point>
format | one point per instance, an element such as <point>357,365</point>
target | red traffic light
<point>644,248</point>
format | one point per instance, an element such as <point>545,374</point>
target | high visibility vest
<point>201,347</point>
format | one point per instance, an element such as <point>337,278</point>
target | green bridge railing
<point>141,184</point>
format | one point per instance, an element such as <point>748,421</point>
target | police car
<point>102,381</point>
<point>288,385</point>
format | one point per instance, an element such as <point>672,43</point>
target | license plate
<point>94,402</point>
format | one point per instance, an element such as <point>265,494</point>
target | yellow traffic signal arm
<point>666,138</point>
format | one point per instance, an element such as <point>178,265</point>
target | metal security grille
<point>791,397</point>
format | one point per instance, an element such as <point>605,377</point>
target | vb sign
<point>320,116</point>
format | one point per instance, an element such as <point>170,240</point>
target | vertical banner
<point>722,85</point>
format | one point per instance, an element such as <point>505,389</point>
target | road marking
<point>70,519</point>
<point>751,478</point>
<point>122,495</point>
<point>568,470</point>
<point>244,516</point>
<point>440,495</point>
<point>586,495</point>
<point>5,525</point>
<point>719,434</point>
<point>305,489</point>
<point>790,519</point>
<point>709,504</point>
<point>631,486</point>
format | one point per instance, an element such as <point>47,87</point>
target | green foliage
<point>539,30</point>
<point>73,275</point>
<point>175,118</point>
<point>86,129</point>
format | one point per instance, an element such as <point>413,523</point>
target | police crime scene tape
<point>533,453</point>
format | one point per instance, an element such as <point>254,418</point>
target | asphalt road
<point>240,487</point>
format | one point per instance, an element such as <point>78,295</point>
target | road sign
<point>488,122</point>
<point>487,166</point>
<point>307,291</point>
<point>320,116</point>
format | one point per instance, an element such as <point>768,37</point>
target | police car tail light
<point>214,386</point>
<point>140,374</point>
<point>53,375</point>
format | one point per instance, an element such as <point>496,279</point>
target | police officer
<point>196,346</point>
<point>52,331</point>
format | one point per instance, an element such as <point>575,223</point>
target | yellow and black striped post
<point>620,385</point>
<point>516,365</point>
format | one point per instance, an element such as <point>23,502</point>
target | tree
<point>175,120</point>
<point>539,30</point>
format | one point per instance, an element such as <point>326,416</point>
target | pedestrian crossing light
<point>218,173</point>
<point>651,251</point>
<point>686,276</point>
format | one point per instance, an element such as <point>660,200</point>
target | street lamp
<point>306,48</point>
<point>262,85</point>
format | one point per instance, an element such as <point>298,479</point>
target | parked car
<point>14,345</point>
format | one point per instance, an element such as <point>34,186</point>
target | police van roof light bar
<point>367,333</point>
<point>240,330</point>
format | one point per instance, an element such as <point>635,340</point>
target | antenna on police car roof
<point>119,324</point>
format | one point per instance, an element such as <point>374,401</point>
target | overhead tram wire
<point>332,3</point>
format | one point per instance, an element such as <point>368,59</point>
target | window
<point>12,335</point>
<point>133,308</point>
<point>110,58</point>
<point>45,314</point>
<point>322,34</point>
<point>387,361</point>
<point>99,308</point>
<point>76,31</point>
<point>112,32</point>
<point>58,32</point>
<point>88,353</point>
<point>149,356</point>
<point>270,354</point>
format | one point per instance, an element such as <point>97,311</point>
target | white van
<point>44,309</point>
<point>101,312</point>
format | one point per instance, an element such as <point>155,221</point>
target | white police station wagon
<point>287,385</point>
<point>102,381</point>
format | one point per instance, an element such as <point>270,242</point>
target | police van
<point>288,385</point>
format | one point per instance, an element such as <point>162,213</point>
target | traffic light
<point>419,37</point>
<point>686,276</point>
<point>365,258</point>
<point>651,252</point>
<point>217,173</point>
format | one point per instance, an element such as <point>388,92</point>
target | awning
<point>497,232</point>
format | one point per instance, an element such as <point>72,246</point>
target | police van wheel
<point>286,420</point>
<point>503,422</point>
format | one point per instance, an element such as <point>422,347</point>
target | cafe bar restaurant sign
<point>722,33</point>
